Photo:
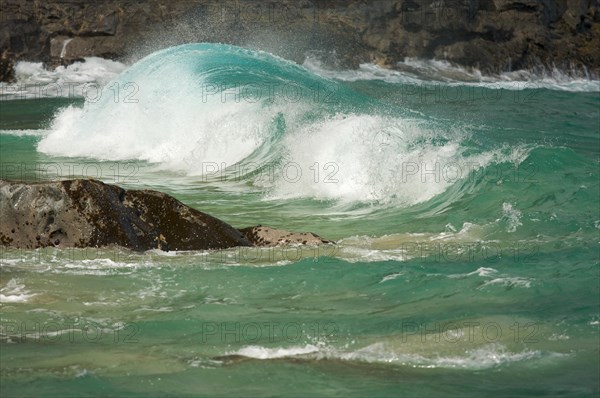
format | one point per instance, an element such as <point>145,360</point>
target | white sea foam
<point>259,352</point>
<point>194,135</point>
<point>14,292</point>
<point>376,159</point>
<point>354,254</point>
<point>391,277</point>
<point>35,81</point>
<point>364,72</point>
<point>346,157</point>
<point>416,72</point>
<point>480,358</point>
<point>558,337</point>
<point>25,133</point>
<point>509,282</point>
<point>481,271</point>
<point>487,356</point>
<point>512,216</point>
<point>362,158</point>
<point>466,244</point>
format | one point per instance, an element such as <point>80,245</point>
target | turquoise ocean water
<point>465,210</point>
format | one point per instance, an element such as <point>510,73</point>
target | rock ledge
<point>90,213</point>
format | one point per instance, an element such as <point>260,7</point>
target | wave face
<point>206,109</point>
<point>190,105</point>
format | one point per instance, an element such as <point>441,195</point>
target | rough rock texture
<point>267,236</point>
<point>7,67</point>
<point>493,35</point>
<point>89,213</point>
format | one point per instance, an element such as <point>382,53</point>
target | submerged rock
<point>90,213</point>
<point>267,236</point>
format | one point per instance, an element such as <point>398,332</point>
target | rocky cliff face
<point>493,35</point>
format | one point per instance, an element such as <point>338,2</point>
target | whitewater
<point>464,209</point>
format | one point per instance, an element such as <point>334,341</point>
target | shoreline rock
<point>491,35</point>
<point>7,67</point>
<point>90,213</point>
<point>267,236</point>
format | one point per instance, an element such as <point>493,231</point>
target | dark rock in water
<point>89,213</point>
<point>267,236</point>
<point>232,359</point>
<point>7,68</point>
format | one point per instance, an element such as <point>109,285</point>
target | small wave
<point>481,271</point>
<point>259,352</point>
<point>488,356</point>
<point>391,277</point>
<point>365,71</point>
<point>418,71</point>
<point>495,278</point>
<point>14,292</point>
<point>509,282</point>
<point>484,357</point>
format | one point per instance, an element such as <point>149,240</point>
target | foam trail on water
<point>417,71</point>
<point>488,356</point>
